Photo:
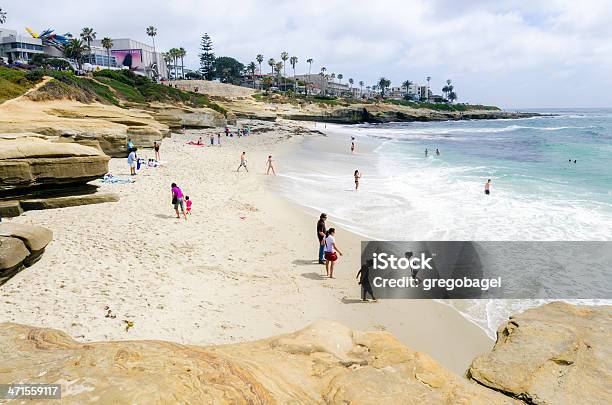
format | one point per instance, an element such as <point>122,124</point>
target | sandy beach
<point>242,266</point>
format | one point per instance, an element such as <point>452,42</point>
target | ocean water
<point>538,193</point>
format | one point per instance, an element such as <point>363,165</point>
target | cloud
<point>547,46</point>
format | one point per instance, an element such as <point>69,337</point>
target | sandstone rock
<point>554,354</point>
<point>30,161</point>
<point>20,245</point>
<point>34,237</point>
<point>12,252</point>
<point>187,117</point>
<point>324,363</point>
<point>67,201</point>
<point>10,209</point>
<point>109,125</point>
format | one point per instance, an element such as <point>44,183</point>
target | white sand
<point>216,278</point>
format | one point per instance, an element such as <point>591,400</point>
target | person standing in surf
<point>352,144</point>
<point>357,176</point>
<point>487,187</point>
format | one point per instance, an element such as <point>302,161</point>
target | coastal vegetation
<point>13,82</point>
<point>106,86</point>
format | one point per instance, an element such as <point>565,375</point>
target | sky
<point>510,53</point>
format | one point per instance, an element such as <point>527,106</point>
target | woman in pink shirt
<point>177,200</point>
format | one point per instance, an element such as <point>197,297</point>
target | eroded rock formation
<point>39,172</point>
<point>21,245</point>
<point>554,354</point>
<point>323,363</point>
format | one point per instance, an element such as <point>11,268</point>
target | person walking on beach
<point>270,166</point>
<point>364,280</point>
<point>331,252</point>
<point>352,144</point>
<point>357,176</point>
<point>243,162</point>
<point>156,148</point>
<point>219,139</point>
<point>321,236</point>
<point>131,159</point>
<point>488,187</point>
<point>177,200</point>
<point>212,139</point>
<point>226,131</point>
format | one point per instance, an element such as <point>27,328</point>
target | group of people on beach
<point>134,161</point>
<point>328,251</point>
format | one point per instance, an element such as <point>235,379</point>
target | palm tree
<point>107,44</point>
<point>175,54</point>
<point>428,78</point>
<point>322,74</point>
<point>383,84</point>
<point>279,66</point>
<point>259,58</point>
<point>74,49</point>
<point>272,63</point>
<point>332,77</point>
<point>351,81</point>
<point>309,61</point>
<point>152,32</point>
<point>181,54</point>
<point>452,96</point>
<point>361,87</point>
<point>284,57</point>
<point>88,35</point>
<point>448,88</point>
<point>168,60</point>
<point>340,76</point>
<point>2,16</point>
<point>407,85</point>
<point>293,61</point>
<point>251,67</point>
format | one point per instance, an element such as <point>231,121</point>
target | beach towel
<point>194,143</point>
<point>110,179</point>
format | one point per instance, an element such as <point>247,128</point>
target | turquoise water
<point>537,193</point>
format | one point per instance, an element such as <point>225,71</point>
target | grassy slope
<point>13,83</point>
<point>110,87</point>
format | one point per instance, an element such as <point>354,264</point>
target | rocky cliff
<point>36,171</point>
<point>323,363</point>
<point>554,354</point>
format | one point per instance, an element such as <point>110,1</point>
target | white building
<point>137,56</point>
<point>318,84</point>
<point>18,48</point>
